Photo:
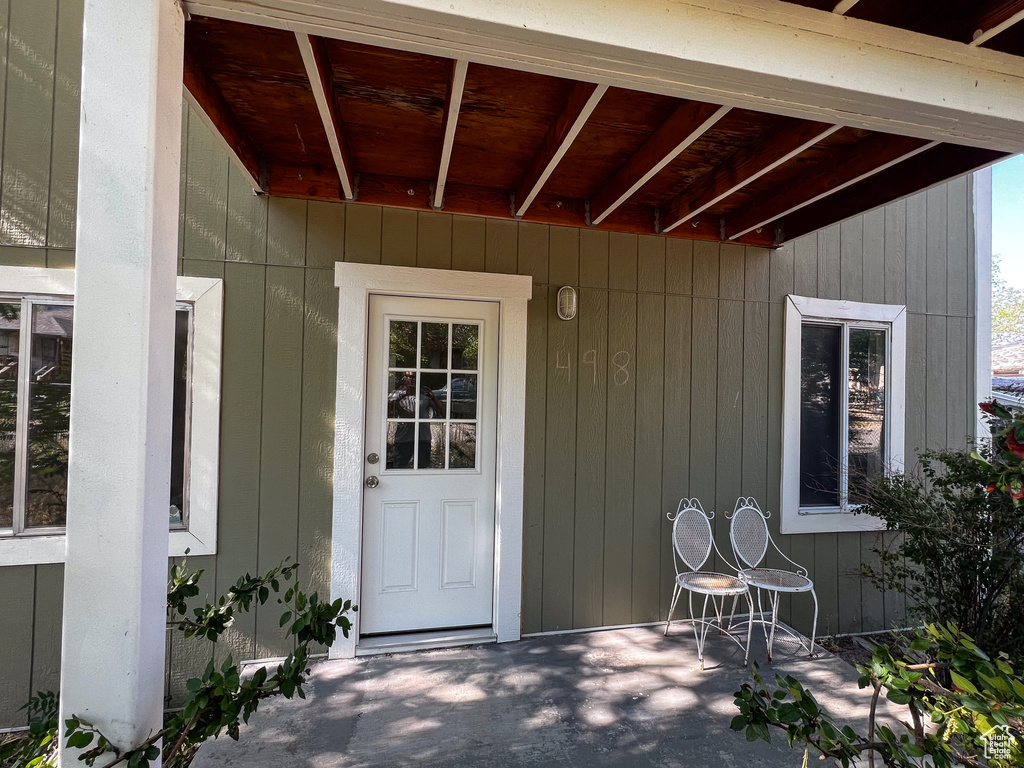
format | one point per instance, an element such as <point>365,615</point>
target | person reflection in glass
<point>403,403</point>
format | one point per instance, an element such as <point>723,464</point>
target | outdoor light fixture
<point>567,302</point>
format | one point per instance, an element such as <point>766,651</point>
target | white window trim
<point>355,283</point>
<point>207,297</point>
<point>798,310</point>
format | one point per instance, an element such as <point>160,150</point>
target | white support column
<point>112,667</point>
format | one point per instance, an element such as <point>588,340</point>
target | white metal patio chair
<point>692,541</point>
<point>748,532</point>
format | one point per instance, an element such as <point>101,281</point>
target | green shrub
<point>218,701</point>
<point>960,555</point>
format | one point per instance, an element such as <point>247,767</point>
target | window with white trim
<point>843,409</point>
<point>36,350</point>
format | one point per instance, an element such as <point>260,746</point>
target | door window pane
<point>820,413</point>
<point>10,335</point>
<point>402,348</point>
<point>422,398</point>
<point>465,346</point>
<point>430,385</point>
<point>462,446</point>
<point>866,409</point>
<point>434,346</point>
<point>49,409</point>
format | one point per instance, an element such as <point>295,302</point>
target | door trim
<point>355,283</point>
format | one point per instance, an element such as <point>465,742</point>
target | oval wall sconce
<point>567,302</point>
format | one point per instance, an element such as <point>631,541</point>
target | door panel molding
<point>356,282</point>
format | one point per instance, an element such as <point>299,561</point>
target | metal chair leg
<point>699,636</point>
<point>814,626</point>
<point>675,597</point>
<point>732,613</point>
<point>750,628</point>
<point>774,597</point>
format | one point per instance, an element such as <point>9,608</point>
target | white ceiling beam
<point>320,79</point>
<point>452,104</point>
<point>823,66</point>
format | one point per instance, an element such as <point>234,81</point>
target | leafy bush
<point>960,558</point>
<point>951,723</point>
<point>220,700</point>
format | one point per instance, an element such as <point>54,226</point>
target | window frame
<point>206,295</point>
<point>802,310</point>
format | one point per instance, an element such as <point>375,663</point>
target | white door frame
<point>355,283</point>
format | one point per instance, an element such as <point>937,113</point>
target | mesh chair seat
<point>777,580</point>
<point>710,583</point>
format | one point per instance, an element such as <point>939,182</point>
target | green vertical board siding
<point>533,465</point>
<point>206,195</point>
<point>679,266</point>
<point>936,261</point>
<point>363,234</point>
<point>434,241</point>
<point>532,247</point>
<point>28,122</point>
<point>240,440</point>
<point>46,629</point>
<point>280,438</point>
<point>917,252</point>
<point>935,385</point>
<point>675,471</point>
<point>620,450</point>
<point>874,256</point>
<point>896,253</point>
<point>16,606</point>
<point>958,408</point>
<point>647,461</point>
<point>851,259</point>
<point>468,243</point>
<point>728,454</point>
<point>591,426</point>
<point>64,154</point>
<point>316,445</point>
<point>398,238</point>
<point>286,232</point>
<point>830,263</point>
<point>247,219</point>
<point>501,246</point>
<point>325,235</point>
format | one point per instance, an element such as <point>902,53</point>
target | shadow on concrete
<point>614,698</point>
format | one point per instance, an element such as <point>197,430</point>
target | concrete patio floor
<point>627,697</point>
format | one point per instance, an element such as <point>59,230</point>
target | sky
<point>1008,218</point>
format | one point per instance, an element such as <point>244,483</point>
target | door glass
<point>432,395</point>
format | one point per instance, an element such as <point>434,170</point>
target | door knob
<point>372,481</point>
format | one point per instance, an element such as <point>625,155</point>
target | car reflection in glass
<point>463,398</point>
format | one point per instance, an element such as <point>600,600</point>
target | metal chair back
<point>748,532</point>
<point>691,535</point>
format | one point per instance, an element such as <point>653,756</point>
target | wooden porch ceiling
<point>326,119</point>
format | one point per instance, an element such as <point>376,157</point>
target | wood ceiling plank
<point>927,169</point>
<point>744,167</point>
<point>690,120</point>
<point>205,97</point>
<point>866,158</point>
<point>450,120</point>
<point>996,17</point>
<point>321,82</point>
<point>583,100</point>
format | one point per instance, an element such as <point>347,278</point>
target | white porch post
<point>112,668</point>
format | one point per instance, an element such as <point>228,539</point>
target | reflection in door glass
<point>402,353</point>
<point>421,398</point>
<point>465,347</point>
<point>462,446</point>
<point>434,346</point>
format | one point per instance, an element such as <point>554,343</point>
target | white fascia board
<point>761,54</point>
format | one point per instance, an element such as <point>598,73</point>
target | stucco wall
<point>668,384</point>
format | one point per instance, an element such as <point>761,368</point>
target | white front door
<point>429,464</point>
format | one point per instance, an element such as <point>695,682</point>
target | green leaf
<point>963,683</point>
<point>898,697</point>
